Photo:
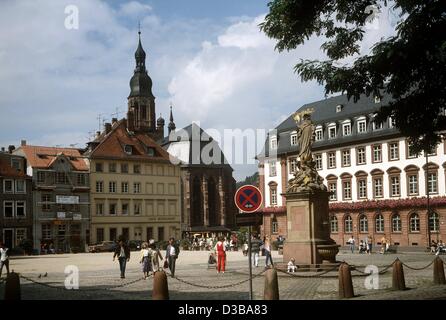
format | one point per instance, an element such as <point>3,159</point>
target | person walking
<point>220,251</point>
<point>172,253</point>
<point>255,249</point>
<point>156,256</point>
<point>351,242</point>
<point>4,259</point>
<point>146,257</point>
<point>122,251</point>
<point>267,247</point>
<point>370,244</point>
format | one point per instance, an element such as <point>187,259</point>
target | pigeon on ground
<point>46,274</point>
<point>40,276</point>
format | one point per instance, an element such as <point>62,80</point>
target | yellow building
<point>135,190</point>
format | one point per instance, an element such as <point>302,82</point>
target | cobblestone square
<point>99,278</point>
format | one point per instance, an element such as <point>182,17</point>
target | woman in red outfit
<point>221,255</point>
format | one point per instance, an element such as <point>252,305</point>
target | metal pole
<point>250,263</point>
<point>427,195</point>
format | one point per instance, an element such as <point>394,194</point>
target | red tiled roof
<point>112,145</point>
<point>6,170</point>
<point>43,157</point>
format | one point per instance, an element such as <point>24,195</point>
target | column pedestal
<point>308,225</point>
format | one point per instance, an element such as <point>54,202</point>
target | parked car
<point>104,246</point>
<point>135,245</point>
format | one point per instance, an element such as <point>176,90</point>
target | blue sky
<point>207,58</point>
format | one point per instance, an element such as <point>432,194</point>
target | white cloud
<point>134,8</point>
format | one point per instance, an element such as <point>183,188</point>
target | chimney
<point>23,143</point>
<point>107,127</point>
<point>98,133</point>
<point>11,148</point>
<point>114,120</point>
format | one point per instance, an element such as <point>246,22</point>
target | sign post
<point>248,199</point>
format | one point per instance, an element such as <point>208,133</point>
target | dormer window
<point>392,122</point>
<point>339,108</point>
<point>318,133</point>
<point>151,152</point>
<point>293,138</point>
<point>346,128</point>
<point>332,131</point>
<point>273,143</point>
<point>128,149</point>
<point>362,127</point>
<point>377,125</point>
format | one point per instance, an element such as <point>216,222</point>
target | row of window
<point>14,186</point>
<point>379,223</point>
<point>60,231</point>
<point>113,233</point>
<point>112,167</point>
<point>112,187</point>
<point>60,177</point>
<point>346,161</point>
<point>19,234</point>
<point>412,185</point>
<point>113,209</point>
<point>14,209</point>
<point>332,131</point>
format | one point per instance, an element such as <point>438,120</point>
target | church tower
<point>141,102</point>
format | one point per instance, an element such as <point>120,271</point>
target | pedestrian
<point>255,249</point>
<point>245,249</point>
<point>351,242</point>
<point>156,256</point>
<point>172,252</point>
<point>122,251</point>
<point>220,251</point>
<point>4,259</point>
<point>267,247</point>
<point>146,259</point>
<point>370,244</point>
<point>383,245</point>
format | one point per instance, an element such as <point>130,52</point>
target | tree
<point>409,66</point>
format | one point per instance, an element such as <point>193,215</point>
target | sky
<point>206,58</point>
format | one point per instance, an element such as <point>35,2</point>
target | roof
<point>186,138</point>
<point>112,145</point>
<point>44,157</point>
<point>6,169</point>
<point>325,112</point>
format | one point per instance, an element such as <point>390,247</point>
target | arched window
<point>334,224</point>
<point>414,222</point>
<point>379,223</point>
<point>396,223</point>
<point>348,224</point>
<point>363,223</point>
<point>434,222</point>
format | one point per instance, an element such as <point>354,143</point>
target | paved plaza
<point>99,278</point>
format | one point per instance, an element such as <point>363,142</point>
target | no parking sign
<point>248,198</point>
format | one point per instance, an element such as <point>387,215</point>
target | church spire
<point>171,125</point>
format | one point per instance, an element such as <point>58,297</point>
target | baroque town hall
<point>379,186</point>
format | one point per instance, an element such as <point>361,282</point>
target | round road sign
<point>248,198</point>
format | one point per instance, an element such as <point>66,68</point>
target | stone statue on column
<point>306,177</point>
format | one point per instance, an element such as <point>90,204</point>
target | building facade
<point>208,187</point>
<point>135,189</point>
<point>61,189</point>
<point>16,219</point>
<point>379,186</point>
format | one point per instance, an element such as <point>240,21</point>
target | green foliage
<point>410,66</point>
<point>253,180</point>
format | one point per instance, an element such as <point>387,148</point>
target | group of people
<point>220,249</point>
<point>209,243</point>
<point>438,247</point>
<point>364,246</point>
<point>150,257</point>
